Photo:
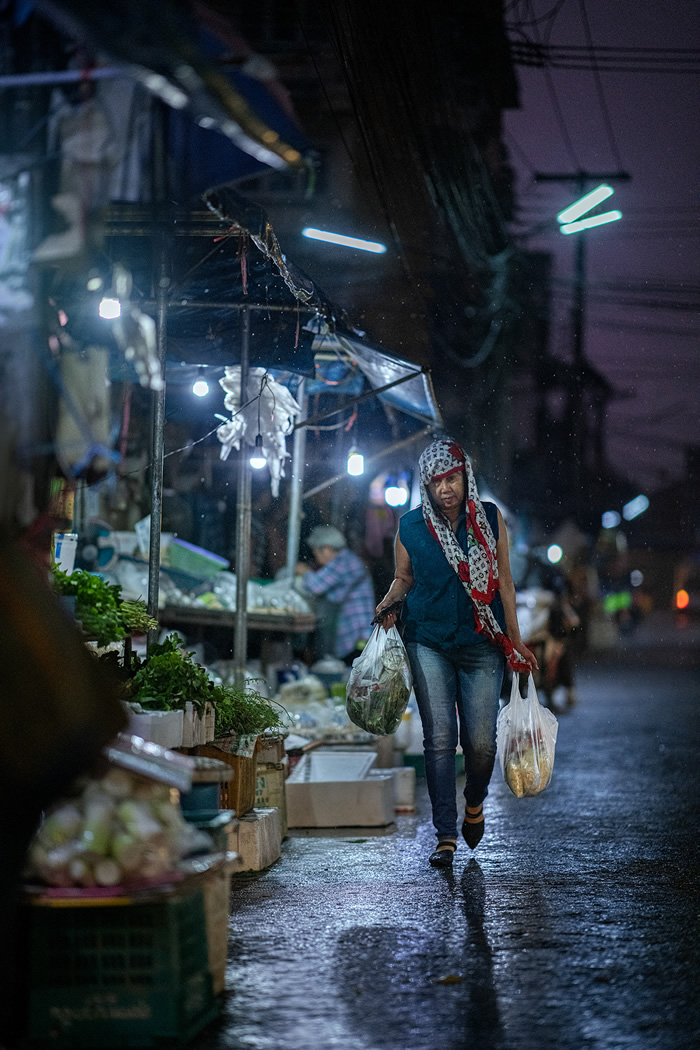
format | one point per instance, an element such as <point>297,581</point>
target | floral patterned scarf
<point>478,568</point>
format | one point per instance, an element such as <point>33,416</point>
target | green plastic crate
<point>188,558</point>
<point>135,975</point>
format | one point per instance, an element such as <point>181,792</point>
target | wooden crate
<point>239,793</point>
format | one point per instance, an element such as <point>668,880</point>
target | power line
<point>520,151</point>
<point>563,127</point>
<point>594,58</point>
<point>599,87</point>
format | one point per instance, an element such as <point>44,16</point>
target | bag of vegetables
<point>379,684</point>
<point>526,738</point>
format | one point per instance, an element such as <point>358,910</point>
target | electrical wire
<point>558,113</point>
<point>599,88</point>
<point>591,58</point>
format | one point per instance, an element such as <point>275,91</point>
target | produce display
<point>99,607</point>
<point>316,715</point>
<point>121,829</point>
<point>169,678</point>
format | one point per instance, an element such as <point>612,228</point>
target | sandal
<point>442,856</point>
<point>473,827</point>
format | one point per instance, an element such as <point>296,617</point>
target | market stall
<point>242,308</point>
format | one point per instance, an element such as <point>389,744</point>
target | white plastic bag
<point>380,683</point>
<point>526,737</point>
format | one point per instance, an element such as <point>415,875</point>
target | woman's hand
<point>388,620</point>
<point>527,655</point>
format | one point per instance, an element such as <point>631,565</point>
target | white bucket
<point>65,546</point>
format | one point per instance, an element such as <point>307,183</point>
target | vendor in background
<point>552,644</point>
<point>342,595</point>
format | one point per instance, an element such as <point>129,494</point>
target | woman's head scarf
<point>477,568</point>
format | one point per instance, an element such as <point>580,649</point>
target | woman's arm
<point>507,588</point>
<point>401,584</point>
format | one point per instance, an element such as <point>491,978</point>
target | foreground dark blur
<point>572,926</point>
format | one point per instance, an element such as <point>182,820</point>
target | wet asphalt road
<point>574,924</point>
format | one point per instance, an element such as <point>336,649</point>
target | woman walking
<point>460,629</point>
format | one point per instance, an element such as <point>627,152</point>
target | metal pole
<point>578,414</point>
<point>296,484</point>
<point>240,638</point>
<point>157,443</point>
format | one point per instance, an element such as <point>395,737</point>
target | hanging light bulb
<point>200,387</point>
<point>109,308</point>
<point>356,462</point>
<point>258,460</point>
<point>396,494</point>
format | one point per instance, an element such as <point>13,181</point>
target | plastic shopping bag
<point>526,737</point>
<point>379,684</point>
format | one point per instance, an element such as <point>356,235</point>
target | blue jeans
<point>463,682</point>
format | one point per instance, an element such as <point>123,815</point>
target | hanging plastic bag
<point>379,684</point>
<point>526,737</point>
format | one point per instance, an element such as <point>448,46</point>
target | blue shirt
<point>437,611</point>
<point>346,582</point>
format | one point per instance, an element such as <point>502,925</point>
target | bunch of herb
<point>169,678</point>
<point>135,617</point>
<point>96,603</point>
<point>246,711</point>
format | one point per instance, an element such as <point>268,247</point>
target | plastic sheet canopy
<point>414,396</point>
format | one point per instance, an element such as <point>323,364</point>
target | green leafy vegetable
<point>96,604</point>
<point>246,711</point>
<point>169,678</point>
<point>378,707</point>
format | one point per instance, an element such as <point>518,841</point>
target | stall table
<point>276,627</point>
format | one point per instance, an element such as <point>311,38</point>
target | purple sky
<point>650,354</point>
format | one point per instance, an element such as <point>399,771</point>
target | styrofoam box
<point>160,727</point>
<point>404,778</point>
<point>196,730</point>
<point>332,789</point>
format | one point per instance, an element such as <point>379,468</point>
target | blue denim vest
<point>438,612</point>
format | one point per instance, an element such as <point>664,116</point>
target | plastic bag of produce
<point>526,735</point>
<point>379,684</point>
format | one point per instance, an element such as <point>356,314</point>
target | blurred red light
<point>682,599</point>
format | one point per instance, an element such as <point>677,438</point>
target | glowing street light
<point>591,221</point>
<point>585,203</point>
<point>346,242</point>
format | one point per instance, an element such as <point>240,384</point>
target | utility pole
<point>579,429</point>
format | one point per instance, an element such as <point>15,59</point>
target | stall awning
<point>413,393</point>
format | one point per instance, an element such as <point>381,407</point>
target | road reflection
<point>429,982</point>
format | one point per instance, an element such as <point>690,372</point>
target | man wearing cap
<point>343,594</point>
